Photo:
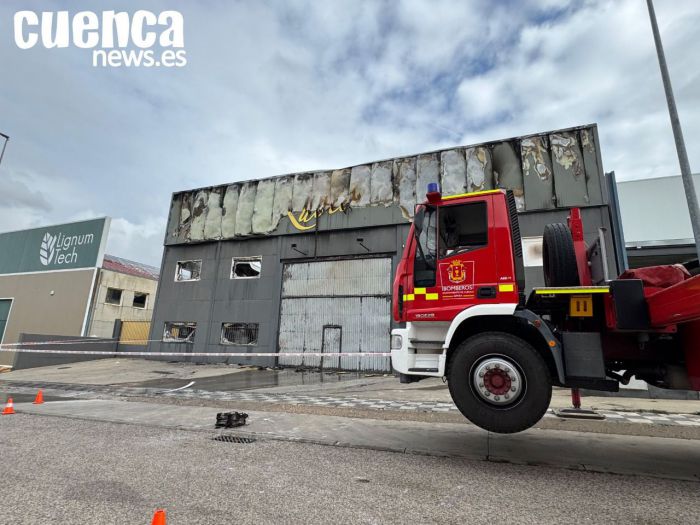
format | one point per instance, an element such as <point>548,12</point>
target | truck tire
<point>559,256</point>
<point>499,382</point>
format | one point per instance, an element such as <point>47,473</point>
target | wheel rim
<point>497,380</point>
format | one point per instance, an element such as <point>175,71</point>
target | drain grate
<point>233,439</point>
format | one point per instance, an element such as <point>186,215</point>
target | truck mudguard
<point>477,310</point>
<point>552,342</point>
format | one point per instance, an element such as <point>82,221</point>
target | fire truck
<point>460,290</point>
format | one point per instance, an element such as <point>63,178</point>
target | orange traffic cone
<point>9,407</point>
<point>159,517</point>
<point>39,399</point>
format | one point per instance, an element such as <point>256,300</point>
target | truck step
<point>593,383</point>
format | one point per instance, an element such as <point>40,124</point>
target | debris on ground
<point>230,419</point>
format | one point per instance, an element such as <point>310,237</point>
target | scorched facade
<point>304,263</point>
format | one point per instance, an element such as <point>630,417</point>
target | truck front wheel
<point>499,382</point>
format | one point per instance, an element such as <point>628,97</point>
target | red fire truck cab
<point>460,290</point>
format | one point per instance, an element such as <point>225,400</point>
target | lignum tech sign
<point>62,247</point>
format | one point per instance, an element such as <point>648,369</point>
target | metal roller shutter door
<point>320,297</point>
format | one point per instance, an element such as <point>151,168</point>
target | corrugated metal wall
<point>318,297</point>
<point>353,277</point>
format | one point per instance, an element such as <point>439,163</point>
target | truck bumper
<point>409,360</point>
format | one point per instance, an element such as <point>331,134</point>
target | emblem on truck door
<point>457,279</point>
<point>456,272</point>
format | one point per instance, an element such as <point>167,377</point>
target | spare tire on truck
<point>559,257</point>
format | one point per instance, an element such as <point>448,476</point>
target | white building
<point>656,221</point>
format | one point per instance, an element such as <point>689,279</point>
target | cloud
<point>279,87</point>
<point>22,191</point>
<point>128,237</point>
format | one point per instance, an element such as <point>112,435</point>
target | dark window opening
<point>114,296</point>
<point>246,267</point>
<point>188,270</point>
<point>463,227</point>
<point>179,332</point>
<point>239,334</point>
<point>140,300</point>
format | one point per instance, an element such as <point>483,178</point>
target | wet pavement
<point>248,380</point>
<point>312,391</point>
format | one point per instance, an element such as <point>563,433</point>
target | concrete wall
<point>45,303</point>
<point>104,314</point>
<point>27,360</point>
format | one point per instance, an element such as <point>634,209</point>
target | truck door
<point>454,264</point>
<point>467,273</point>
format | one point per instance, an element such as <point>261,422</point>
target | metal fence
<point>134,333</point>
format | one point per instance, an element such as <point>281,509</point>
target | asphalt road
<point>57,470</point>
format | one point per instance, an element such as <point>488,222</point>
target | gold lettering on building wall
<point>306,219</point>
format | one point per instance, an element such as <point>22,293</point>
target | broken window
<point>177,332</point>
<point>114,296</point>
<point>188,270</point>
<point>246,267</point>
<point>140,300</point>
<point>239,334</point>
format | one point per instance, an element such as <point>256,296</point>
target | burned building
<point>304,262</point>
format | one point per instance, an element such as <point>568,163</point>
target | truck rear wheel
<point>559,256</point>
<point>499,382</point>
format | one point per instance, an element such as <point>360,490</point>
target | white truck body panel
<point>424,344</point>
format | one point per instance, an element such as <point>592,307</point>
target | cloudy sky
<point>284,86</point>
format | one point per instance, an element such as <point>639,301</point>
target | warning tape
<point>82,341</point>
<point>199,354</point>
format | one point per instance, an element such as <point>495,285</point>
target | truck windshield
<point>426,249</point>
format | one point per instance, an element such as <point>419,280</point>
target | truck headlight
<point>396,341</point>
